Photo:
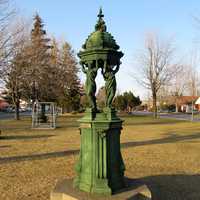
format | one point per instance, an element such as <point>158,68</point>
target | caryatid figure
<point>90,69</point>
<point>110,82</point>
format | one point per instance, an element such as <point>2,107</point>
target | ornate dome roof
<point>100,38</point>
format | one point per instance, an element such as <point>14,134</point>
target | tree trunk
<point>62,111</point>
<point>17,104</point>
<point>155,112</point>
<point>192,117</point>
<point>176,107</point>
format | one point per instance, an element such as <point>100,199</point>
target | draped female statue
<point>90,69</point>
<point>110,83</point>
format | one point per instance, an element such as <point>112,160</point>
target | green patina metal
<point>100,168</point>
<point>100,51</point>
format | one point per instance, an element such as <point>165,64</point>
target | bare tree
<point>6,14</point>
<point>179,84</point>
<point>14,70</point>
<point>163,96</point>
<point>193,81</point>
<point>156,66</point>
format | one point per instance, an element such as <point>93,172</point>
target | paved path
<point>4,115</point>
<point>178,116</point>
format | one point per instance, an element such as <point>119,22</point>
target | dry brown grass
<point>165,154</point>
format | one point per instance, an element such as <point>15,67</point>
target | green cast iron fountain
<point>100,169</point>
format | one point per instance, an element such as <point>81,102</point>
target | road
<point>4,115</point>
<point>178,116</point>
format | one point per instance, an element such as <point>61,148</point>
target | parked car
<point>10,110</point>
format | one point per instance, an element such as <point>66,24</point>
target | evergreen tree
<point>68,65</point>
<point>39,71</point>
<point>39,66</point>
<point>127,101</point>
<point>131,100</point>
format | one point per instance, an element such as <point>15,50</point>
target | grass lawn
<point>164,153</point>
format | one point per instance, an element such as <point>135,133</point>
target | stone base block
<point>134,191</point>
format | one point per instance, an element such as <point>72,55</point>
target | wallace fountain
<point>100,168</point>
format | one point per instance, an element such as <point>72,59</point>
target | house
<point>197,104</point>
<point>185,103</point>
<point>180,103</point>
<point>3,104</point>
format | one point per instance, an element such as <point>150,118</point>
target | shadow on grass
<point>67,126</point>
<point>164,122</point>
<point>15,128</point>
<point>169,187</point>
<point>174,187</point>
<point>24,137</point>
<point>61,125</point>
<point>170,139</point>
<point>5,146</point>
<point>37,156</point>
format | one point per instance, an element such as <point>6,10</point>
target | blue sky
<point>127,20</point>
